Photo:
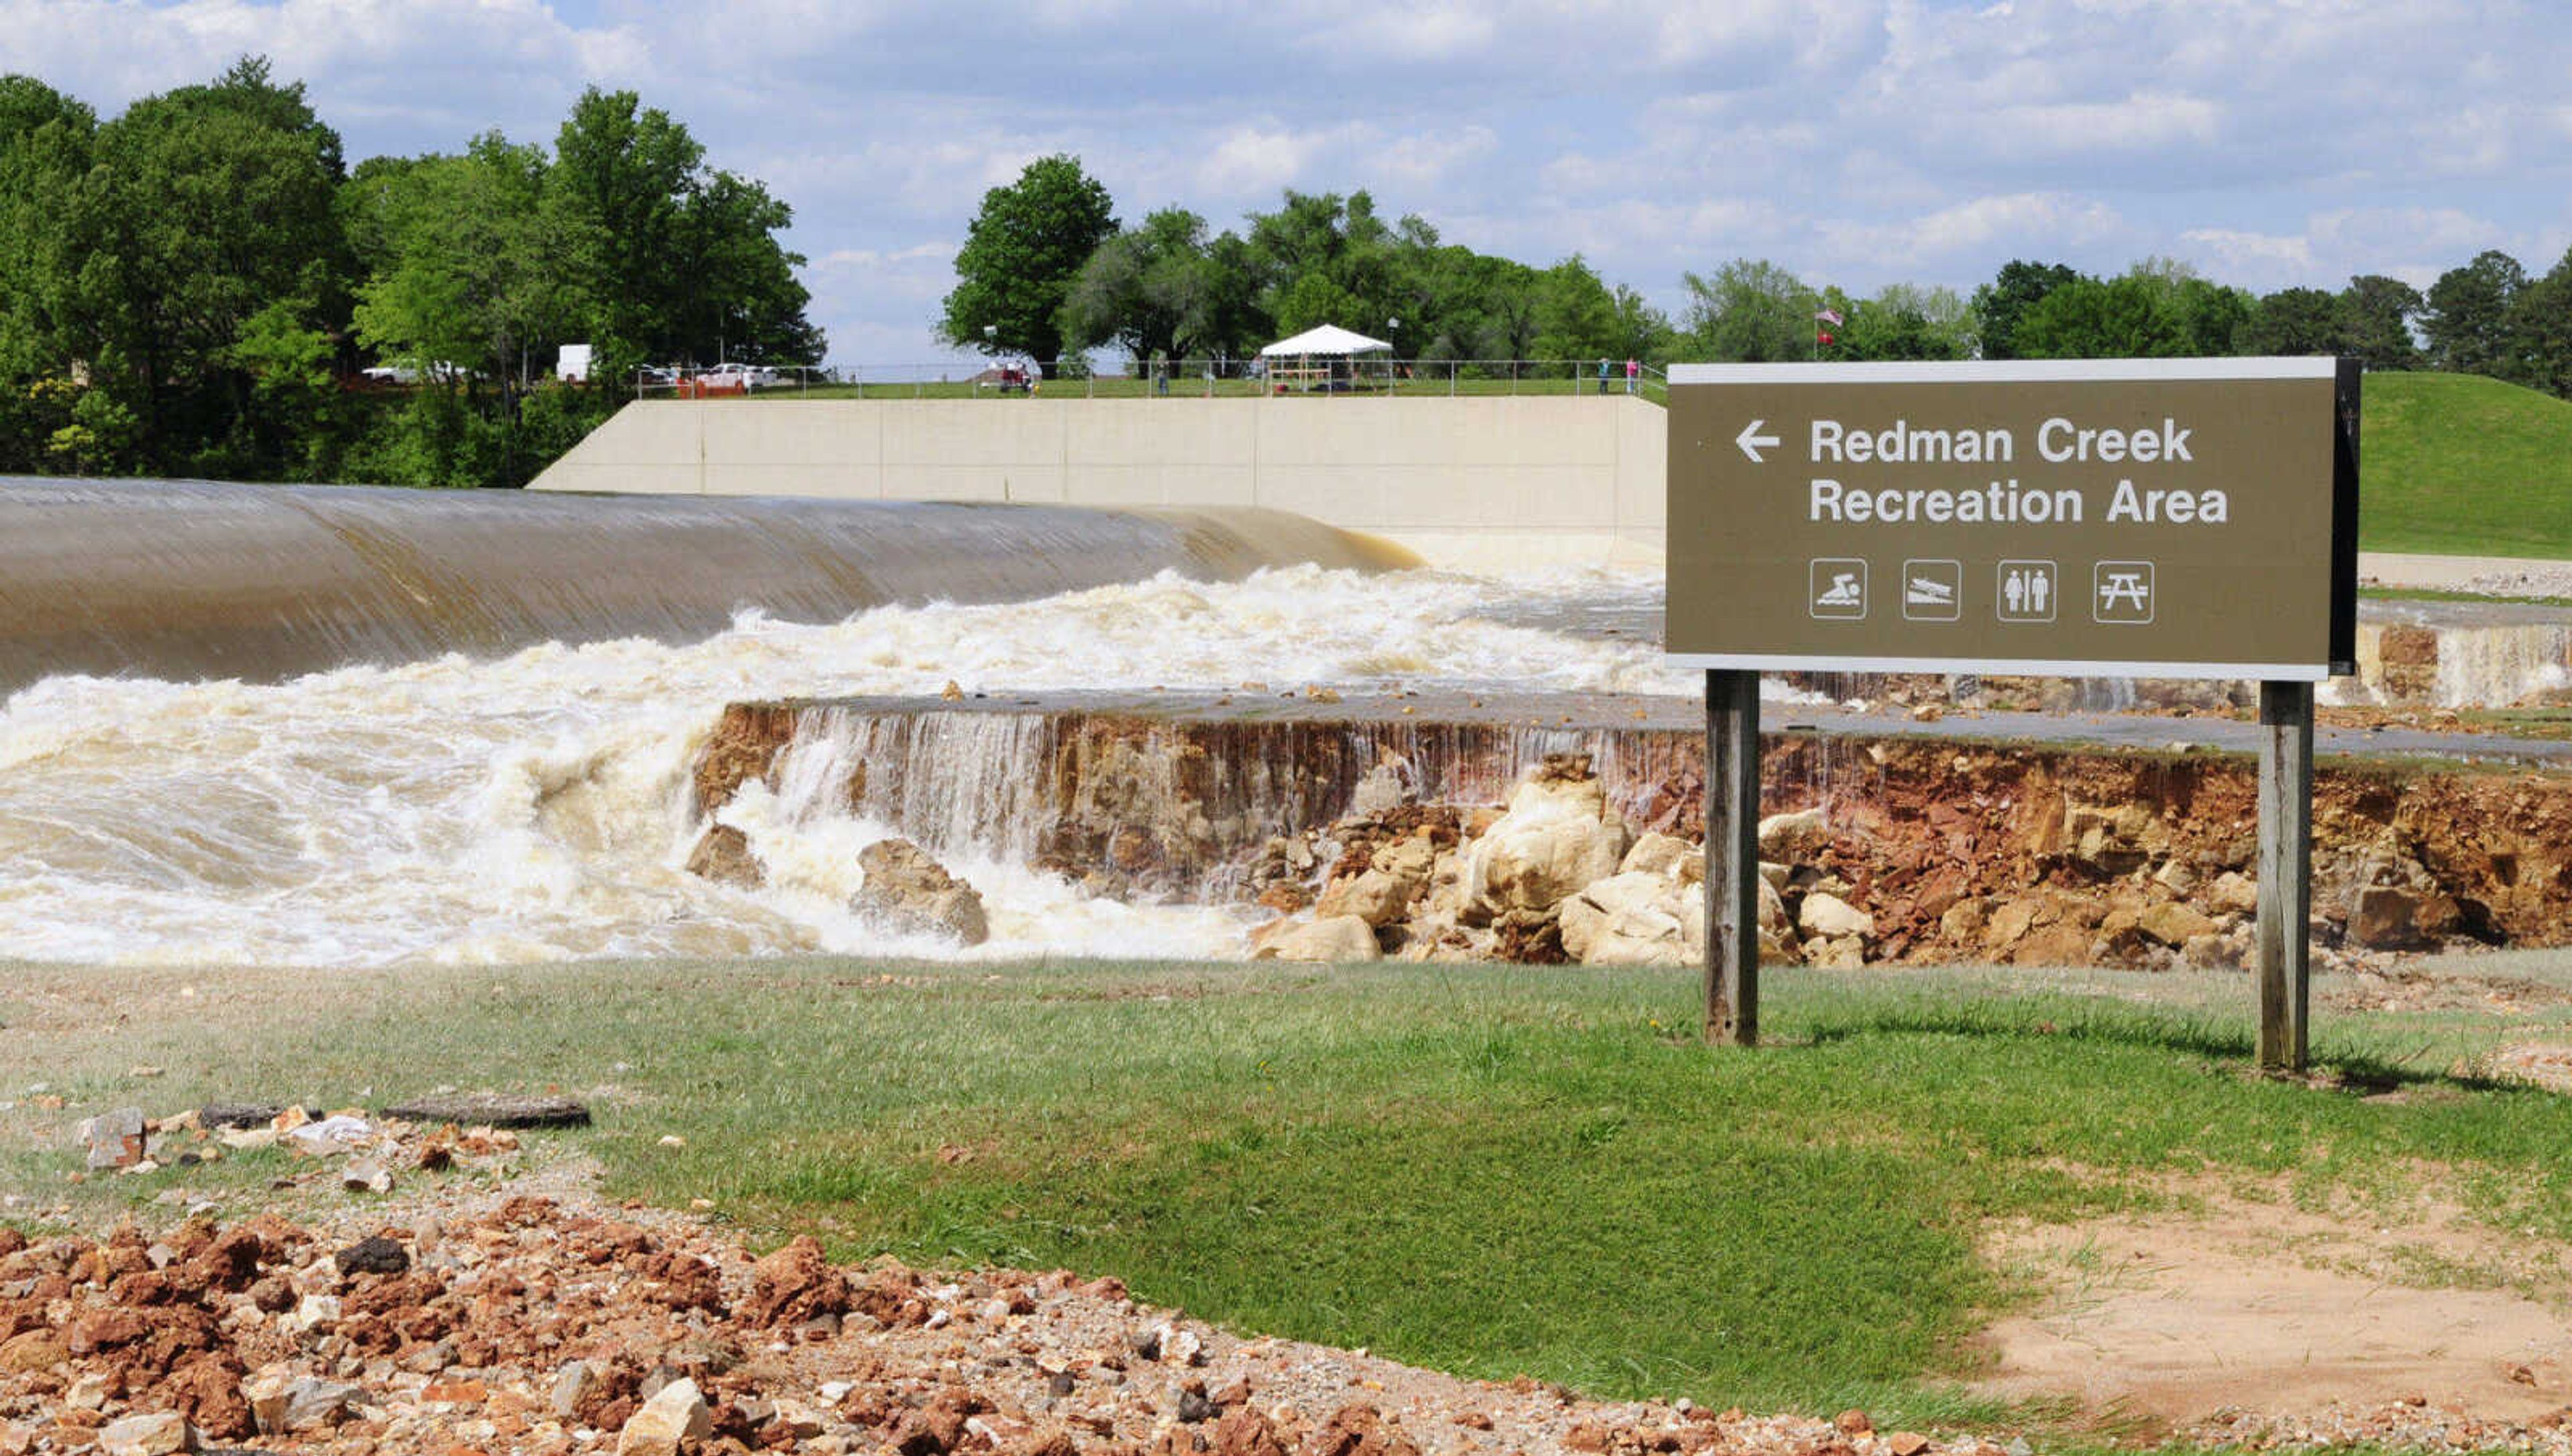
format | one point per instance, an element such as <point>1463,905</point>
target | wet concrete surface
<point>2140,732</point>
<point>1635,613</point>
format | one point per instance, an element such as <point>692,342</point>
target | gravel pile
<point>534,1326</point>
<point>531,1325</point>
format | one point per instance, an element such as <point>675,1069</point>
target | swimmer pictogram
<point>1839,588</point>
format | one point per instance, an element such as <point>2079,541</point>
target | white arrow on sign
<point>1750,440</point>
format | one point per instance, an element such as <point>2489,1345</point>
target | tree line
<point>191,287</point>
<point>1048,272</point>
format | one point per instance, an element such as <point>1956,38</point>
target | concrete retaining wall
<point>1468,481</point>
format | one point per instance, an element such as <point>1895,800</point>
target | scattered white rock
<point>1833,918</point>
<point>162,1433</point>
<point>675,1416</point>
<point>1331,939</point>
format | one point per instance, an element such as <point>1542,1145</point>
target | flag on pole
<point>1830,317</point>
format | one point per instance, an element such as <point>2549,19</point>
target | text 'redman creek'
<point>2004,501</point>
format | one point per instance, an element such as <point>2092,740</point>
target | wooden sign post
<point>1732,856</point>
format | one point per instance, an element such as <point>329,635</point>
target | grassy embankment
<point>2463,466</point>
<point>1492,1170</point>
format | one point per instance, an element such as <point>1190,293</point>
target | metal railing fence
<point>1202,379</point>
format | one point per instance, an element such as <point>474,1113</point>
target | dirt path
<point>2266,1309</point>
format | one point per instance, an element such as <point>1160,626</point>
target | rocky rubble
<point>1907,851</point>
<point>368,1154</point>
<point>536,1328</point>
<point>2038,877</point>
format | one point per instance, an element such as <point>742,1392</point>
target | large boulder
<point>1662,854</point>
<point>2235,893</point>
<point>1833,918</point>
<point>1636,918</point>
<point>2393,916</point>
<point>1383,892</point>
<point>722,854</point>
<point>2112,839</point>
<point>1796,838</point>
<point>1329,939</point>
<point>910,894</point>
<point>1558,837</point>
<point>2174,925</point>
<point>1371,896</point>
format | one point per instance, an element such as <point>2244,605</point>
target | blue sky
<point>1857,142</point>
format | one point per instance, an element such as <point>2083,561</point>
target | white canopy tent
<point>1329,338</point>
<point>1323,358</point>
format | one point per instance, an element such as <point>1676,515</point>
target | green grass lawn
<point>2462,465</point>
<point>1491,1170</point>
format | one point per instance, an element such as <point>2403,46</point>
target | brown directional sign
<point>2116,517</point>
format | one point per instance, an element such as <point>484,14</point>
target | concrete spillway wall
<point>192,579</point>
<point>1470,480</point>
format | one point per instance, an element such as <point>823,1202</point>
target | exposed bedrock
<point>1492,839</point>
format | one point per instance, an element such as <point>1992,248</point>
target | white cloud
<point>1435,32</point>
<point>1256,160</point>
<point>1858,142</point>
<point>2232,254</point>
<point>1925,247</point>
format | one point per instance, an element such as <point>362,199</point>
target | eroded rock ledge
<point>1879,848</point>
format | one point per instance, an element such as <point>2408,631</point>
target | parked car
<point>726,377</point>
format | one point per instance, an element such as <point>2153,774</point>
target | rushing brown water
<point>188,580</point>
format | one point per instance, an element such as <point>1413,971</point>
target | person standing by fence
<point>1602,373</point>
<point>1634,374</point>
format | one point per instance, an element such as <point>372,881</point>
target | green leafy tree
<point>622,173</point>
<point>2375,314</point>
<point>1907,321</point>
<point>2211,314</point>
<point>1750,312</point>
<point>1575,316</point>
<point>1020,257</point>
<point>46,141</point>
<point>2293,322</point>
<point>290,364</point>
<point>1639,331</point>
<point>1507,296</point>
<point>99,439</point>
<point>1325,258</point>
<point>1229,324</point>
<point>474,268</point>
<point>734,282</point>
<point>2538,334</point>
<point>2002,302</point>
<point>205,207</point>
<point>1149,290</point>
<point>2466,321</point>
<point>2133,316</point>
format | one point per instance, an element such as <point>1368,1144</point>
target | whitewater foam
<point>536,807</point>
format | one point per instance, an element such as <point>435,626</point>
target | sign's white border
<point>2006,371</point>
<point>1988,666</point>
